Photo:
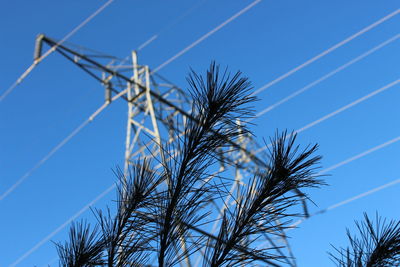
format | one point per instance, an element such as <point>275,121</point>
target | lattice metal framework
<point>157,113</point>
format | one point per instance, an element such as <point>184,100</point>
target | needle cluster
<point>261,207</point>
<point>377,245</point>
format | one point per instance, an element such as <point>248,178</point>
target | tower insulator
<point>38,47</point>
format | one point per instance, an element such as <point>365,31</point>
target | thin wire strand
<point>52,49</point>
<point>43,160</point>
<point>352,104</point>
<point>328,75</point>
<point>170,25</point>
<point>340,110</point>
<point>363,154</point>
<point>62,226</point>
<point>205,36</point>
<point>354,198</point>
<point>347,201</point>
<point>327,51</point>
<point>57,147</point>
<point>345,162</point>
<point>67,222</point>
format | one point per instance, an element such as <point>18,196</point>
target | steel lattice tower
<point>157,113</point>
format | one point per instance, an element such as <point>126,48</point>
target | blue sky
<point>267,41</point>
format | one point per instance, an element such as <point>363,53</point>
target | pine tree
<point>162,216</point>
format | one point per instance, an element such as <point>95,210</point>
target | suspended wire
<point>64,141</point>
<point>340,110</point>
<point>170,25</point>
<point>67,222</point>
<point>354,198</point>
<point>327,51</point>
<point>62,226</point>
<point>328,75</point>
<point>342,203</point>
<point>356,102</point>
<point>367,193</point>
<point>205,36</point>
<point>337,112</point>
<point>43,160</point>
<point>52,49</point>
<point>347,201</point>
<point>57,147</point>
<point>363,154</point>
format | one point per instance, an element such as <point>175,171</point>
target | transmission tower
<point>157,113</point>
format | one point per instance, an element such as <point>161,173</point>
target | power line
<point>363,154</point>
<point>369,192</point>
<point>205,36</point>
<point>340,110</point>
<point>347,161</point>
<point>43,160</point>
<point>48,52</point>
<point>62,143</point>
<point>328,75</point>
<point>62,226</point>
<point>327,51</point>
<point>57,147</point>
<point>170,25</point>
<point>354,198</point>
<point>356,102</point>
<point>349,200</point>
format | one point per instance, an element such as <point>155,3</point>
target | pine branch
<point>84,248</point>
<point>218,101</point>
<point>265,202</point>
<point>378,245</point>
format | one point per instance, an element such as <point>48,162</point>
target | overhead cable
<point>347,201</point>
<point>363,154</point>
<point>57,147</point>
<point>340,110</point>
<point>62,226</point>
<point>52,49</point>
<point>362,195</point>
<point>354,198</point>
<point>170,25</point>
<point>205,36</point>
<point>328,75</point>
<point>327,51</point>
